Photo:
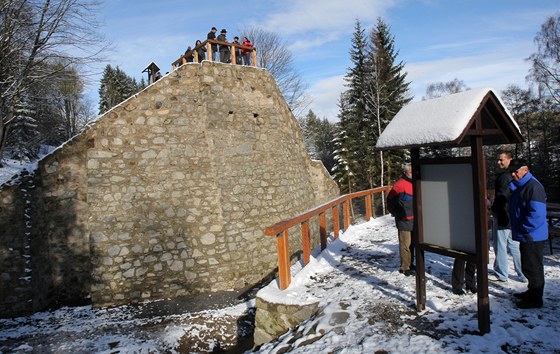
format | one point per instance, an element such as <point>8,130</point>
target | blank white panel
<point>448,207</point>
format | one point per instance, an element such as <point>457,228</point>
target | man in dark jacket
<point>224,49</point>
<point>527,211</point>
<point>399,204</point>
<point>503,241</point>
<point>212,35</point>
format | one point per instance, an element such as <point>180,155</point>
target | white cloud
<point>498,68</point>
<point>325,94</point>
<point>324,16</point>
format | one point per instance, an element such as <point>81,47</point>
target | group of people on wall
<point>519,207</point>
<point>222,52</point>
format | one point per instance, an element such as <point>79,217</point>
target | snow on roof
<point>439,120</point>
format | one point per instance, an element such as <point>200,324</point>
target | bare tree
<point>439,89</point>
<point>36,35</point>
<point>546,62</point>
<point>273,54</point>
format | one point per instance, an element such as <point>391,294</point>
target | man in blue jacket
<point>503,242</point>
<point>527,211</point>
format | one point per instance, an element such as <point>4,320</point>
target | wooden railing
<point>280,229</point>
<point>208,44</point>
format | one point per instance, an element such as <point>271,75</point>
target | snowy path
<point>366,306</point>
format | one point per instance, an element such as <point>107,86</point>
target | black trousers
<point>463,273</point>
<point>532,265</point>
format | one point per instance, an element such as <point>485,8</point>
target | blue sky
<point>483,43</point>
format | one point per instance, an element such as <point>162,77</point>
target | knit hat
<point>516,164</point>
<point>223,31</point>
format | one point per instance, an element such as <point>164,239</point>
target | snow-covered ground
<point>366,306</point>
<point>13,167</point>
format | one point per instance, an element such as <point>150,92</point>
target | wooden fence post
<point>336,222</point>
<point>369,213</point>
<point>209,51</point>
<point>306,242</point>
<point>323,230</point>
<point>283,260</point>
<point>346,214</point>
<point>254,57</point>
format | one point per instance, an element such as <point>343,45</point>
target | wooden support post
<point>336,222</point>
<point>306,242</point>
<point>232,51</point>
<point>418,231</point>
<point>254,57</point>
<point>195,56</point>
<point>283,260</point>
<point>323,230</point>
<point>369,213</point>
<point>209,51</point>
<point>346,214</point>
<point>481,230</point>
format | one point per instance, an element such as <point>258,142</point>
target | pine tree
<point>387,92</point>
<point>346,163</point>
<point>352,128</point>
<point>377,90</point>
<point>24,136</point>
<point>318,139</point>
<point>116,86</point>
<point>324,143</point>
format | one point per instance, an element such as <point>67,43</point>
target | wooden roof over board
<point>449,120</point>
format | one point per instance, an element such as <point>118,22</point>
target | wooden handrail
<point>208,44</point>
<point>280,229</point>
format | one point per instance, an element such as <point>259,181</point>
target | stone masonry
<point>165,195</point>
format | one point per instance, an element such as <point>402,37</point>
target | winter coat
<point>222,38</point>
<point>212,35</point>
<point>501,200</point>
<point>201,53</point>
<point>248,44</point>
<point>527,210</point>
<point>399,204</point>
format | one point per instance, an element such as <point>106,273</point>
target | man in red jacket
<point>399,204</point>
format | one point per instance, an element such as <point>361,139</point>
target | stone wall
<point>168,193</point>
<point>15,250</point>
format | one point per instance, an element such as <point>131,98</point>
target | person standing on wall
<point>246,52</point>
<point>224,49</point>
<point>200,51</point>
<point>212,35</point>
<point>527,211</point>
<point>503,241</point>
<point>399,204</point>
<point>238,58</point>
